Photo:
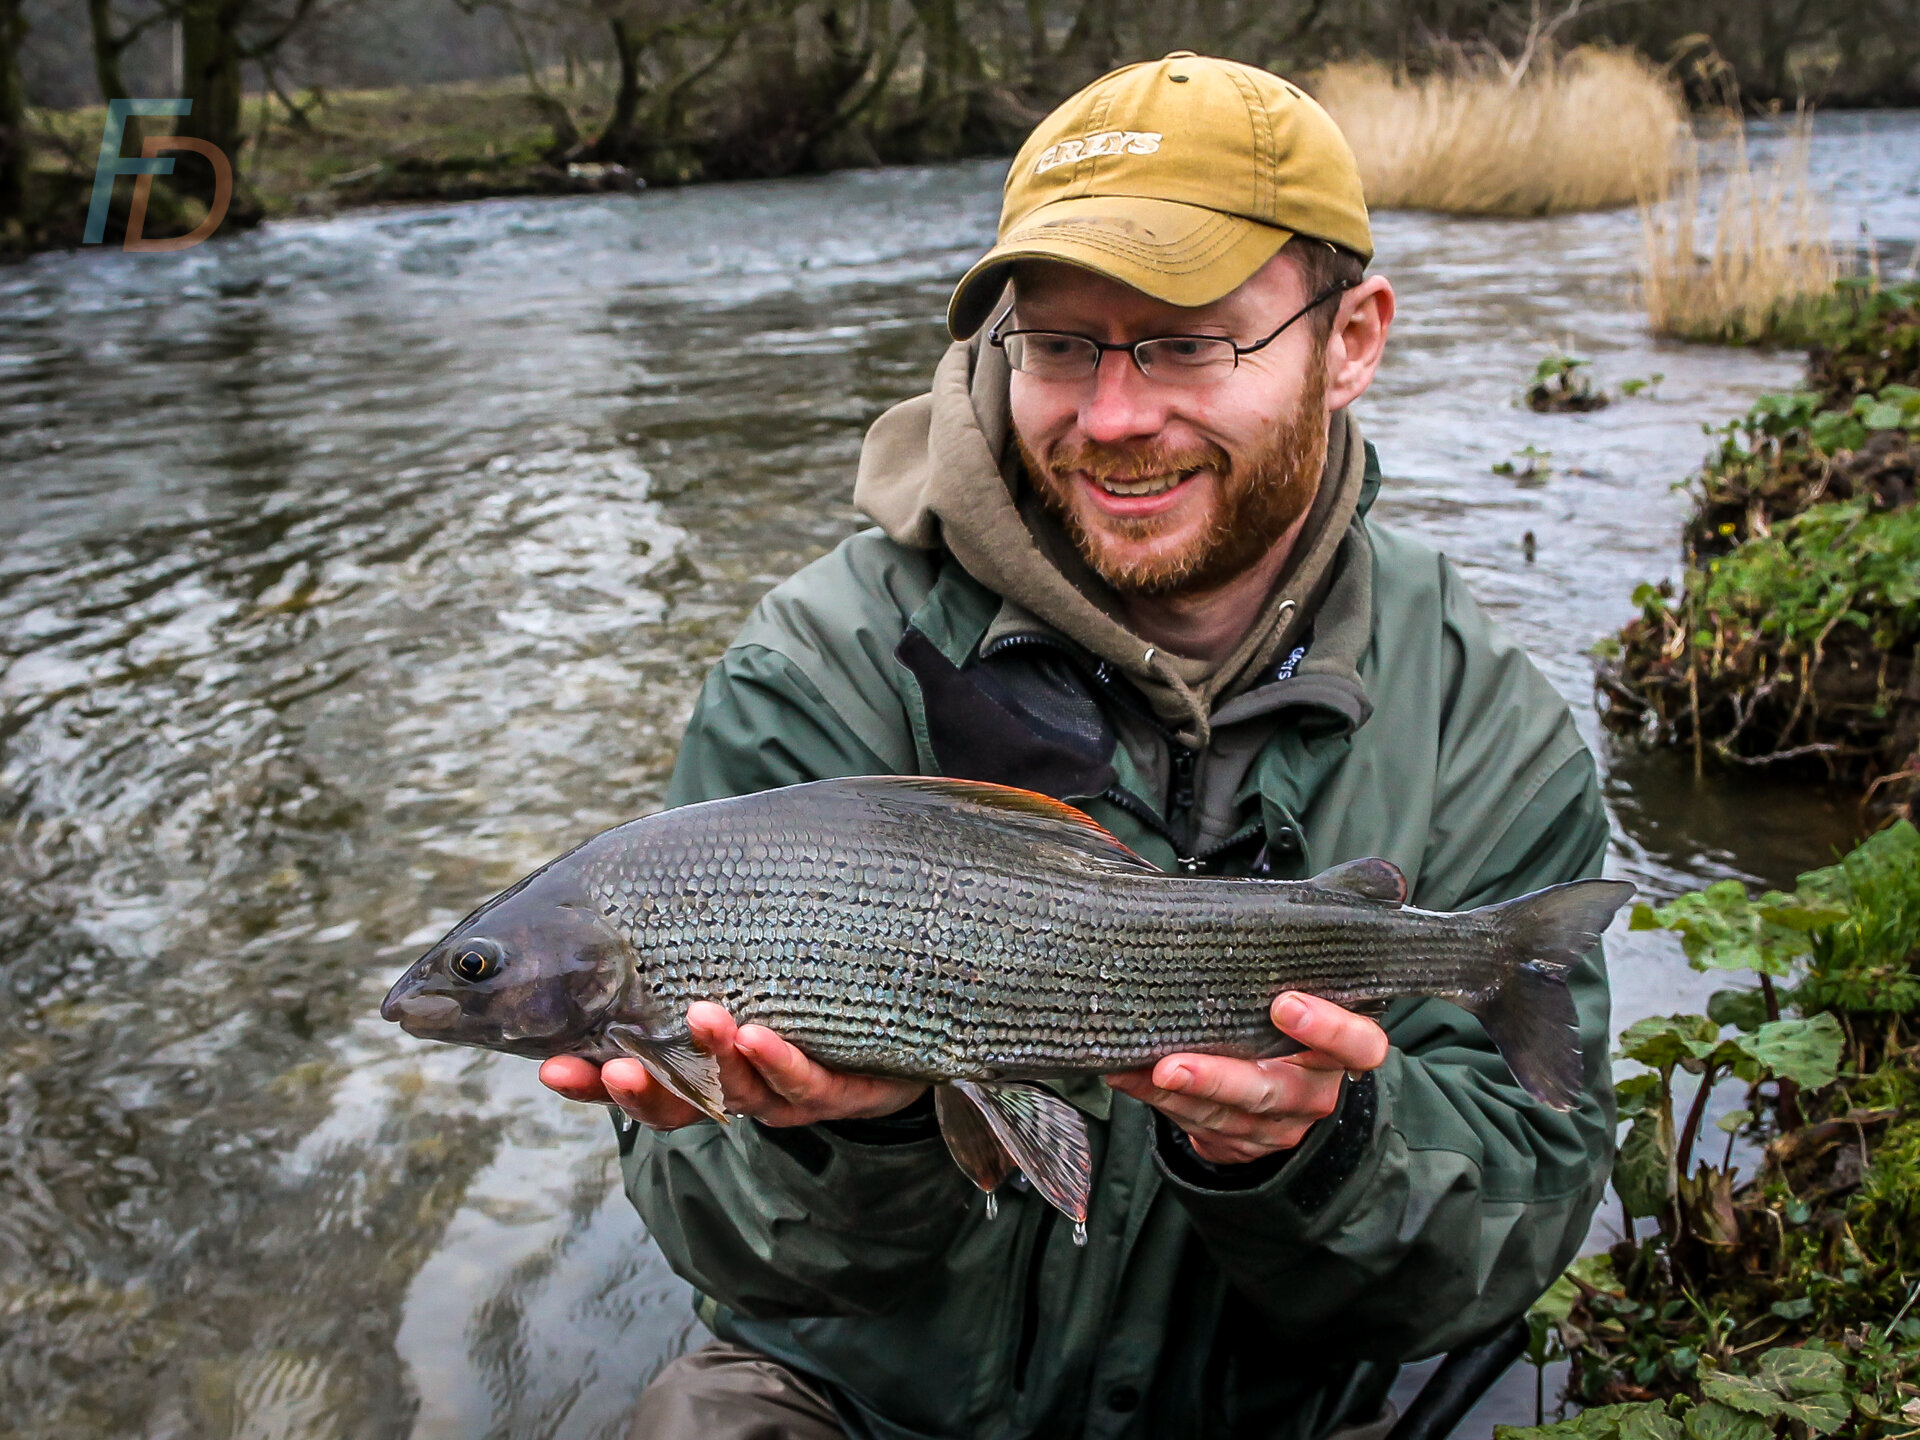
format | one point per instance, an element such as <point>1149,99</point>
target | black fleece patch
<point>980,732</point>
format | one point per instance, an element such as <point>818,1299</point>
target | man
<point>1124,556</point>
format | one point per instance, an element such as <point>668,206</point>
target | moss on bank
<point>1790,641</point>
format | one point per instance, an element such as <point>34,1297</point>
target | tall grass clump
<point>1587,130</point>
<point>1741,256</point>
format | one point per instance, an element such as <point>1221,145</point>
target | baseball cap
<point>1179,177</point>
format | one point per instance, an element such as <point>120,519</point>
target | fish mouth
<point>423,1015</point>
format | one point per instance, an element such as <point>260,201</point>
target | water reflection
<point>353,568</point>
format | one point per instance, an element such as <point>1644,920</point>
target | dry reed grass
<point>1587,130</point>
<point>1748,259</point>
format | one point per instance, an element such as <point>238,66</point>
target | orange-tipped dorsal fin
<point>1076,827</point>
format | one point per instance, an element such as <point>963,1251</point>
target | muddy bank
<point>1789,641</point>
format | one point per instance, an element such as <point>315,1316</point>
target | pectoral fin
<point>970,1139</point>
<point>1045,1136</point>
<point>677,1063</point>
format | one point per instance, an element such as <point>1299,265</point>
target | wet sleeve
<point>814,1220</point>
<point>779,1223</point>
<point>1439,1200</point>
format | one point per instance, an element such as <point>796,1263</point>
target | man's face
<point>1173,487</point>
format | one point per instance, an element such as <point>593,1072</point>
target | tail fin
<point>1529,1015</point>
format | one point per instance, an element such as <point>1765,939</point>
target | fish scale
<point>1033,944</point>
<point>975,937</point>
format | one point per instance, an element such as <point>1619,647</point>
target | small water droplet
<point>1079,1232</point>
<point>993,1205</point>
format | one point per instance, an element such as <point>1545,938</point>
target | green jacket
<point>1276,1299</point>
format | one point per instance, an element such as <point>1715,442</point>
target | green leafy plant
<point>1563,382</point>
<point>1867,337</point>
<point>1779,1302</point>
<point>1793,645</point>
<point>1795,628</point>
<point>1790,1393</point>
<point>1528,463</point>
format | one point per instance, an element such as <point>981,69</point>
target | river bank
<point>1789,642</point>
<point>1593,129</point>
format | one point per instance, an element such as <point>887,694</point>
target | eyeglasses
<point>1180,359</point>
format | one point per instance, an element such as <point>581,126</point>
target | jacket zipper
<point>1103,673</point>
<point>1180,791</point>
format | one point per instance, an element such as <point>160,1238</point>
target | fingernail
<point>1290,1012</point>
<point>1177,1078</point>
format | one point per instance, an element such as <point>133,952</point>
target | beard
<point>1260,496</point>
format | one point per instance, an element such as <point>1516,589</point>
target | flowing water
<point>352,568</point>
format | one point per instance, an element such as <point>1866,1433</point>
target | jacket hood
<point>940,471</point>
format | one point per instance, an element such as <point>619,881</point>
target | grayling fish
<point>975,937</point>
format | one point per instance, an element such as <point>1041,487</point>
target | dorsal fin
<point>1377,881</point>
<point>1082,831</point>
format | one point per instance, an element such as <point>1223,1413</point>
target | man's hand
<point>763,1076</point>
<point>1239,1110</point>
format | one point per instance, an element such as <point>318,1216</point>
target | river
<point>353,567</point>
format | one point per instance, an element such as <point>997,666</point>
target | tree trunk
<point>107,49</point>
<point>616,136</point>
<point>16,152</point>
<point>773,51</point>
<point>210,65</point>
<point>949,80</point>
<point>1039,57</point>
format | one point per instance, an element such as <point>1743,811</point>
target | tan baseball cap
<point>1179,177</point>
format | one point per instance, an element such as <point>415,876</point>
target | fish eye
<point>475,960</point>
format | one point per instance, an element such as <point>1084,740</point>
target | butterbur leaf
<point>1806,1052</point>
<point>1740,1393</point>
<point>1663,1041</point>
<point>1545,1314</point>
<point>1637,1095</point>
<point>1557,1303</point>
<point>1597,1271</point>
<point>1897,847</point>
<point>1803,1373</point>
<point>1714,1421</point>
<point>1742,1009</point>
<point>1638,1420</point>
<point>1731,1123</point>
<point>1792,1309</point>
<point>1649,1422</point>
<point>1641,1172</point>
<point>1803,915</point>
<point>1720,928</point>
<point>1726,1055</point>
<point>1821,1414</point>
